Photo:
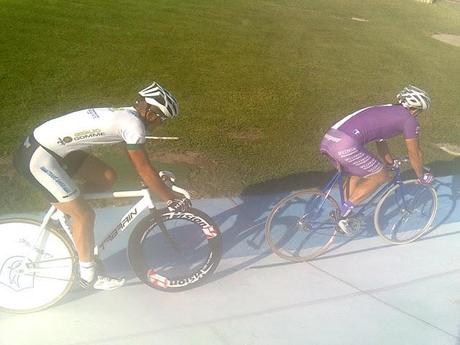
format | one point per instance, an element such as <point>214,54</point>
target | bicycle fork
<point>161,224</point>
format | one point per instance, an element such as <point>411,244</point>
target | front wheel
<point>405,212</point>
<point>37,268</point>
<point>175,251</point>
<point>302,225</point>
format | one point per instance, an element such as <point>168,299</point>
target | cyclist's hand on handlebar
<point>167,177</point>
<point>427,178</point>
<point>179,205</point>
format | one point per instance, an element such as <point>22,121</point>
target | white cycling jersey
<point>81,129</point>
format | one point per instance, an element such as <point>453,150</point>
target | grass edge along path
<point>259,83</point>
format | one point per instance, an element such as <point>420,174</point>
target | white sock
<point>87,270</point>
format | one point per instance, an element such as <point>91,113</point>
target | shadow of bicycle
<point>245,239</point>
<point>242,224</point>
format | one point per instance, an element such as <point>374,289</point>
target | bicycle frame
<point>337,179</point>
<point>145,203</point>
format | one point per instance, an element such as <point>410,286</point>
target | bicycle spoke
<point>300,227</point>
<point>405,213</point>
<point>35,275</point>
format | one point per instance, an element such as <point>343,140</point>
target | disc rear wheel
<point>35,271</point>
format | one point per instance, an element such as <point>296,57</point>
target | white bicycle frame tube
<point>144,203</point>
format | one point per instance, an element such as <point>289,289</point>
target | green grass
<point>259,82</point>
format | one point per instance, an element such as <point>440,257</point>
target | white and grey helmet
<point>413,97</point>
<point>162,99</point>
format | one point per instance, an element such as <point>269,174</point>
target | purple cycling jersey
<point>378,123</point>
<point>344,142</point>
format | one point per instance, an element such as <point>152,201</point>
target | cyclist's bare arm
<point>149,175</point>
<point>415,156</point>
<point>384,152</point>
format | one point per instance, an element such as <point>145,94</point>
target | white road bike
<point>169,251</point>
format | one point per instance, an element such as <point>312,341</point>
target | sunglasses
<point>160,116</point>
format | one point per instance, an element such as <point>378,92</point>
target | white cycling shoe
<point>103,283</point>
<point>344,226</point>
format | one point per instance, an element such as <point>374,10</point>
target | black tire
<point>160,266</point>
<point>49,279</point>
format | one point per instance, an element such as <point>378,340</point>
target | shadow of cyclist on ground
<point>242,221</point>
<point>244,239</point>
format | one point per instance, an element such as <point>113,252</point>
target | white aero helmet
<point>162,99</point>
<point>413,97</point>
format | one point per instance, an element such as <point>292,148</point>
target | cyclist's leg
<point>365,170</point>
<point>47,173</point>
<point>82,216</point>
<point>353,182</point>
<point>96,175</point>
<point>365,186</point>
<point>355,185</point>
<point>368,174</point>
<point>350,184</point>
<point>44,171</point>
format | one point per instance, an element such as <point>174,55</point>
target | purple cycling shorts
<point>352,156</point>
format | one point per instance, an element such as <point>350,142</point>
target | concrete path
<point>362,291</point>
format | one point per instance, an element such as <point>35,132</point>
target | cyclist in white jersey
<point>54,153</point>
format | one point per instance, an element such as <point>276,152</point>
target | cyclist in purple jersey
<point>344,145</point>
